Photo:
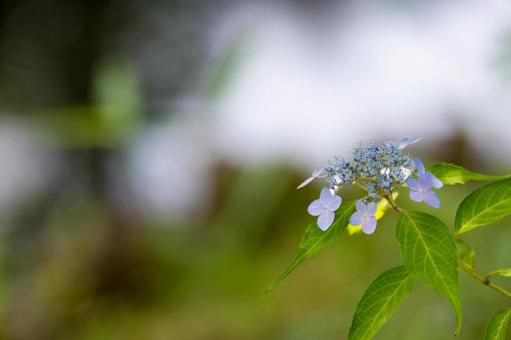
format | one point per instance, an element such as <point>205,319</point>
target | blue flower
<point>421,172</point>
<point>324,207</point>
<point>421,191</point>
<point>365,216</point>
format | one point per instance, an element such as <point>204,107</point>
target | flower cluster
<point>378,169</point>
<point>421,187</point>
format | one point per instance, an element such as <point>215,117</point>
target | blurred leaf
<point>110,120</point>
<point>506,272</point>
<point>497,326</point>
<point>314,240</point>
<point>380,301</point>
<point>263,187</point>
<point>116,87</point>
<point>484,206</point>
<point>224,68</point>
<point>428,251</point>
<point>451,174</point>
<point>466,254</point>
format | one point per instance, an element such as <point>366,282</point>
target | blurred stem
<point>392,203</point>
<point>361,186</point>
<point>369,179</point>
<point>484,281</point>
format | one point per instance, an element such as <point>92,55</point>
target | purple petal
<point>413,184</point>
<point>435,181</point>
<point>361,207</point>
<point>325,220</point>
<point>431,199</point>
<point>307,181</point>
<point>333,203</point>
<point>369,226</point>
<point>420,166</point>
<point>416,196</point>
<point>425,182</point>
<point>316,208</point>
<point>325,194</point>
<point>371,208</point>
<point>405,141</point>
<point>356,218</point>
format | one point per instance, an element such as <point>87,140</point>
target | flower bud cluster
<point>379,168</point>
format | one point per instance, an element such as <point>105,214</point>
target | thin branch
<point>484,281</point>
<point>392,203</point>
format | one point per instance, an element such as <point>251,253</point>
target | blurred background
<point>150,150</point>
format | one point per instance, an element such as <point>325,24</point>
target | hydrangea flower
<point>324,208</point>
<point>365,216</point>
<point>381,167</point>
<point>421,172</point>
<point>421,191</point>
<point>378,169</point>
<point>382,207</point>
<point>421,188</point>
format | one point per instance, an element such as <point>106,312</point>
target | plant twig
<point>392,203</point>
<point>484,281</point>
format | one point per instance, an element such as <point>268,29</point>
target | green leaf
<point>380,301</point>
<point>497,326</point>
<point>314,240</point>
<point>484,206</point>
<point>466,254</point>
<point>506,272</point>
<point>429,252</point>
<point>451,174</point>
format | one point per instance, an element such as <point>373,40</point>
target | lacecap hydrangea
<point>379,169</point>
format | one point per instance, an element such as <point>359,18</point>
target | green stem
<point>484,281</point>
<point>392,203</point>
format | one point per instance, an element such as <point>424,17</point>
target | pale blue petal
<point>425,182</point>
<point>356,218</point>
<point>431,199</point>
<point>419,166</point>
<point>435,181</point>
<point>316,208</point>
<point>413,184</point>
<point>404,142</point>
<point>369,226</point>
<point>371,208</point>
<point>319,172</point>
<point>306,182</point>
<point>416,196</point>
<point>361,207</point>
<point>333,203</point>
<point>325,195</point>
<point>325,220</point>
